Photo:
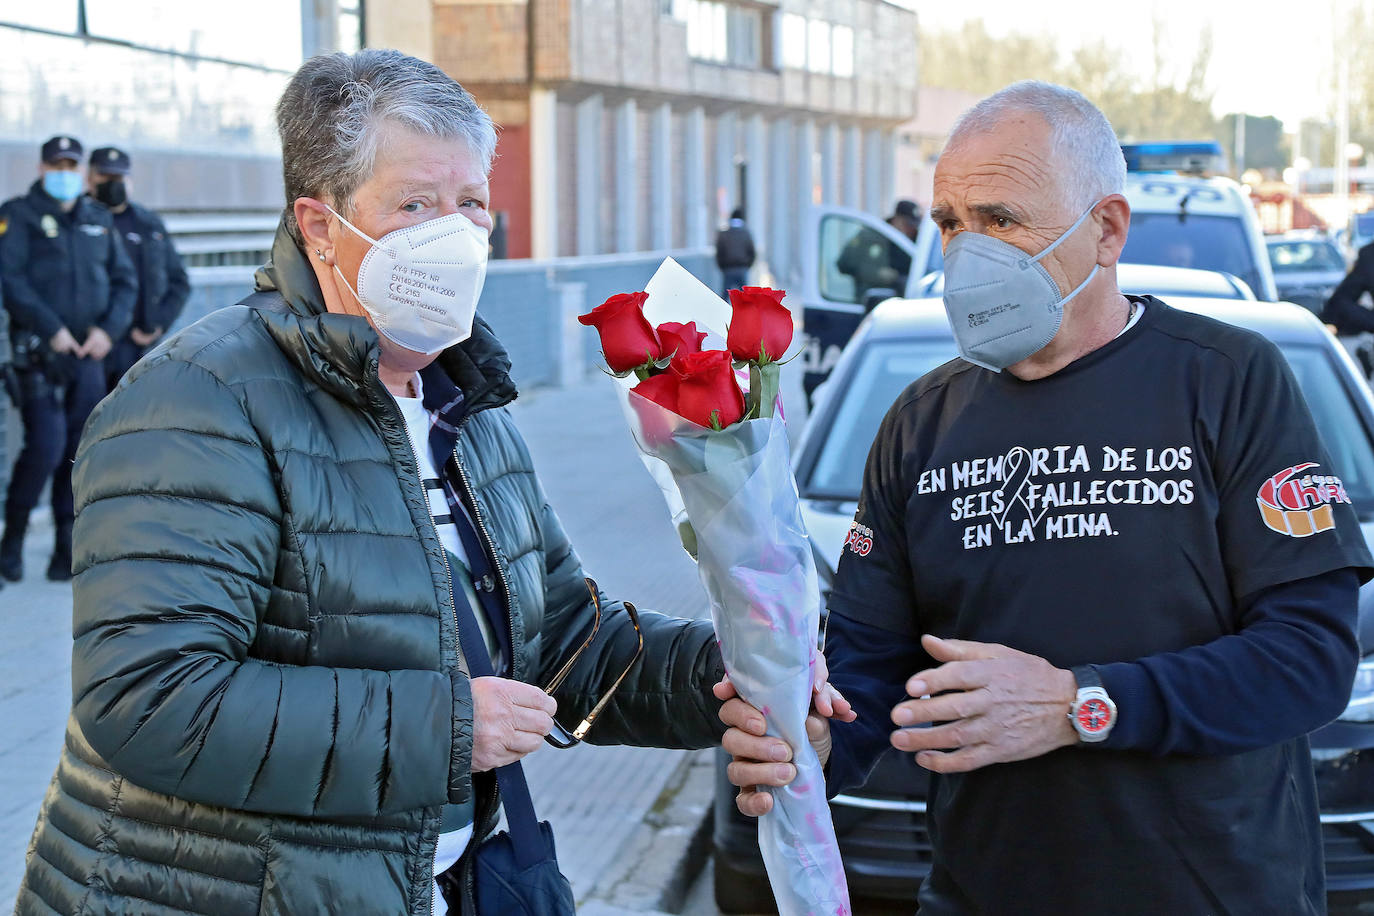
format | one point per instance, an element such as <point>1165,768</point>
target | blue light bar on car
<point>1190,157</point>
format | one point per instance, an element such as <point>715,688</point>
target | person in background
<point>162,284</point>
<point>69,289</point>
<point>1346,309</point>
<point>734,253</point>
<point>873,261</point>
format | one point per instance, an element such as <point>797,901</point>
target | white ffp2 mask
<point>420,284</point>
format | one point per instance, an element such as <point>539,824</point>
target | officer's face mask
<point>112,193</point>
<point>1002,303</point>
<point>420,284</point>
<point>62,185</point>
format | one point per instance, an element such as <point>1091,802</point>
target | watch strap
<point>1086,676</point>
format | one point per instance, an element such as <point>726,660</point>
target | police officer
<point>162,283</point>
<point>69,289</point>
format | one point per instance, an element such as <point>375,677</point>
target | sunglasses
<point>561,736</point>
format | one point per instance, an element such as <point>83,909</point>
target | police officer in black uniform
<point>69,289</point>
<point>162,283</point>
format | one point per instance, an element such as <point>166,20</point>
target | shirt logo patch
<point>1300,506</point>
<point>48,225</point>
<point>859,540</point>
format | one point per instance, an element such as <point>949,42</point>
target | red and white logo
<point>1300,505</point>
<point>859,540</point>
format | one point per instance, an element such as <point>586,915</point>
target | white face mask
<point>420,284</point>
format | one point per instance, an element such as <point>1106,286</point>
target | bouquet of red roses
<point>719,452</point>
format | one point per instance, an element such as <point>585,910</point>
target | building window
<point>744,37</point>
<point>201,30</point>
<point>350,26</point>
<point>55,15</point>
<point>818,46</point>
<point>792,41</point>
<point>721,32</point>
<point>842,50</point>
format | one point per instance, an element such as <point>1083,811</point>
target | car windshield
<point>1203,242</point>
<point>1292,257</point>
<point>883,370</point>
<point>886,367</point>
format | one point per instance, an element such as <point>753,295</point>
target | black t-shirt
<point>1122,507</point>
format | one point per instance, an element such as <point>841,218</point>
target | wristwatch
<point>1092,712</point>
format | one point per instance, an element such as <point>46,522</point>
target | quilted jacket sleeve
<point>177,541</point>
<point>666,700</point>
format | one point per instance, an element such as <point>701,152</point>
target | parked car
<point>1149,279</point>
<point>1307,267</point>
<point>881,826</point>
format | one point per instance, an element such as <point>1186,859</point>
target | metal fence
<point>532,305</point>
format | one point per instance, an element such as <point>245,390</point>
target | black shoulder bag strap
<point>516,871</point>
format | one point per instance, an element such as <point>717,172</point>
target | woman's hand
<point>760,760</point>
<point>509,720</point>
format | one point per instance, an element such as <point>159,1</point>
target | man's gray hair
<point>1086,152</point>
<point>334,110</point>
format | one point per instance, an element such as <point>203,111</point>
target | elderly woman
<point>283,511</point>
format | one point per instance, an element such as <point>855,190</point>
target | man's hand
<point>995,705</point>
<point>764,761</point>
<point>509,720</point>
<point>144,338</point>
<point>64,342</point>
<point>97,344</point>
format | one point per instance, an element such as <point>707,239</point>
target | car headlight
<point>1361,707</point>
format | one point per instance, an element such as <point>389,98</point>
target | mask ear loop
<point>1055,244</point>
<point>360,233</point>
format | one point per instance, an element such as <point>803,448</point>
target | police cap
<point>109,160</point>
<point>62,147</point>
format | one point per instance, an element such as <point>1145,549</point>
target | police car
<point>1180,218</point>
<point>881,826</point>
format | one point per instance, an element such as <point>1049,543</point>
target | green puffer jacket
<point>269,706</point>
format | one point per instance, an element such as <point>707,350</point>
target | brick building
<point>637,125</point>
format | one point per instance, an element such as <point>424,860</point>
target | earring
<point>319,254</point>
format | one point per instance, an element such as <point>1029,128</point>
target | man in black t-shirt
<point>1103,594</point>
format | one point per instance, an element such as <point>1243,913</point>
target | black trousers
<point>54,414</point>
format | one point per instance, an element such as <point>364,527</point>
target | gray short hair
<point>1085,149</point>
<point>333,111</point>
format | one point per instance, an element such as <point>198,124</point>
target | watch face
<point>1093,716</point>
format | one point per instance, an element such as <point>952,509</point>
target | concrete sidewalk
<point>627,820</point>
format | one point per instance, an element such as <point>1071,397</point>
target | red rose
<point>761,326</point>
<point>661,389</point>
<point>627,339</point>
<point>707,389</point>
<point>684,338</point>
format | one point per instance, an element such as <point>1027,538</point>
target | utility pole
<point>1240,145</point>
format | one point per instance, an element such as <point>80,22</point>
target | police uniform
<point>61,268</point>
<point>162,283</point>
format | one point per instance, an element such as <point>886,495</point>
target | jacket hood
<point>340,352</point>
